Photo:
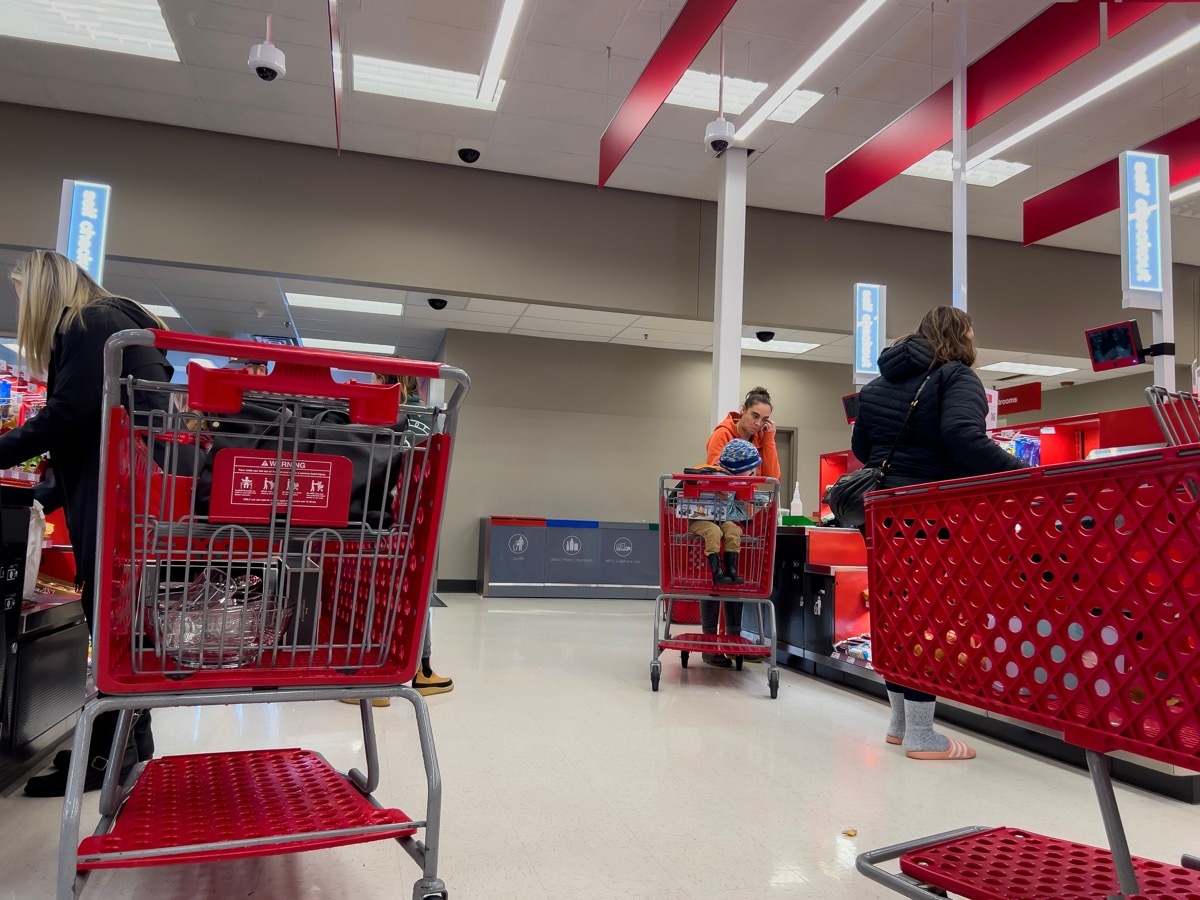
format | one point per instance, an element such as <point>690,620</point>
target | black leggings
<point>910,693</point>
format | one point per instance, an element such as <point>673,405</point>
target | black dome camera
<point>765,336</point>
<point>469,155</point>
<point>437,302</point>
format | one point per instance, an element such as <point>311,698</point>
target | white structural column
<point>959,188</point>
<point>731,265</point>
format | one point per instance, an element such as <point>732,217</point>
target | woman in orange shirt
<point>752,424</point>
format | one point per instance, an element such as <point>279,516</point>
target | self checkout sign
<point>1146,230</point>
<point>870,324</point>
<point>83,225</point>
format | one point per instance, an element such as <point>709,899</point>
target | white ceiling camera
<point>718,136</point>
<point>267,60</point>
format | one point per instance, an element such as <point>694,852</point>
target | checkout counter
<point>822,607</point>
<point>43,642</point>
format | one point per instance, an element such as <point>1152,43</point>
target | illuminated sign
<point>870,323</point>
<point>1145,253</point>
<point>83,225</point>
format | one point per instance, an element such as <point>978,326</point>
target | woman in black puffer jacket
<point>946,438</point>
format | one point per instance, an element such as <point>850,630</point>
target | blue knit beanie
<point>739,457</point>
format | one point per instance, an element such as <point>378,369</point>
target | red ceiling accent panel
<point>691,30</point>
<point>1122,15</point>
<point>911,137</point>
<point>1098,191</point>
<point>1042,47</point>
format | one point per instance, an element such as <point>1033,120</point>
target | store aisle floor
<point>566,778</point>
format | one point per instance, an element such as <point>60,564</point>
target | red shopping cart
<point>749,501</point>
<point>291,560</point>
<point>1066,597</point>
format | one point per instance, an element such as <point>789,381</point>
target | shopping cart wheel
<point>655,669</point>
<point>683,658</point>
<point>737,662</point>
<point>430,889</point>
<point>773,682</point>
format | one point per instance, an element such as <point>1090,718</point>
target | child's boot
<point>731,569</point>
<point>714,566</point>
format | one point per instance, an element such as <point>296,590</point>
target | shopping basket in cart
<point>1065,597</point>
<point>292,560</point>
<point>749,501</point>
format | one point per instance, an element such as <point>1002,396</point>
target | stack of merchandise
<point>20,400</point>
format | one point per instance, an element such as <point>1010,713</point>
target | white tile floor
<point>566,778</point>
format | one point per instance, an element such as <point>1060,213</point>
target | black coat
<point>947,436</point>
<point>68,428</point>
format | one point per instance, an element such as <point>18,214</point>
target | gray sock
<point>896,726</point>
<point>918,727</point>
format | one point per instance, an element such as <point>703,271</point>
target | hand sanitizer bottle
<point>797,507</point>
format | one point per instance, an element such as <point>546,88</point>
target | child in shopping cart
<point>739,457</point>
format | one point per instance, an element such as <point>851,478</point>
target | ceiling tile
<point>557,326</point>
<point>497,307</point>
<point>556,335</point>
<point>570,314</point>
<point>683,326</point>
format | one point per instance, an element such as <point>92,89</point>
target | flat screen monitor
<point>1115,346</point>
<point>850,405</point>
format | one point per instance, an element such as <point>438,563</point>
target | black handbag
<point>847,496</point>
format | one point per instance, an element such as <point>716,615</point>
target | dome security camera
<point>437,302</point>
<point>266,60</point>
<point>718,136</point>
<point>765,336</point>
<point>469,155</point>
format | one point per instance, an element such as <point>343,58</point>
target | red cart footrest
<point>714,643</point>
<point>1007,864</point>
<point>271,797</point>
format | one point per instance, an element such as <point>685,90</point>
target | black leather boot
<point>714,566</point>
<point>731,569</point>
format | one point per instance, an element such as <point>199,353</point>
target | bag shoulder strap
<point>912,407</point>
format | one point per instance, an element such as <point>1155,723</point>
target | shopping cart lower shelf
<point>255,803</point>
<point>1009,864</point>
<point>728,644</point>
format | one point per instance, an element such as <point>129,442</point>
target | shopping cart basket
<point>749,501</point>
<point>291,560</point>
<point>1178,414</point>
<point>1065,597</point>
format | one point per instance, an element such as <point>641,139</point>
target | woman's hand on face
<point>768,427</point>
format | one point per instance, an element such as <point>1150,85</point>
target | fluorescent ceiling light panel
<point>1185,41</point>
<point>352,346</point>
<point>792,347</point>
<point>698,90</point>
<point>814,62</point>
<point>397,79</point>
<point>1186,191</point>
<point>791,109</point>
<point>344,304</point>
<point>1015,368</point>
<point>489,81</point>
<point>939,165</point>
<point>163,312</point>
<point>135,27</point>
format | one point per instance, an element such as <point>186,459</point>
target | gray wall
<point>209,199</point>
<point>583,430</point>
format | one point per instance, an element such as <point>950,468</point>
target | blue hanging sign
<point>83,225</point>
<point>1145,255</point>
<point>870,324</point>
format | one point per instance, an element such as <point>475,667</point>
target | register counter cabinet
<point>820,602</point>
<point>43,650</point>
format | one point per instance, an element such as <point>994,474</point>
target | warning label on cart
<point>252,486</point>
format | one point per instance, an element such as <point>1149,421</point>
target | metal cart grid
<point>161,643</point>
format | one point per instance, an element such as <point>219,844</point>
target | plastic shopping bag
<point>33,548</point>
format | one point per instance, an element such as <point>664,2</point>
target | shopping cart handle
<point>297,372</point>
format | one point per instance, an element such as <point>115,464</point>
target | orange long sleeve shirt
<point>764,442</point>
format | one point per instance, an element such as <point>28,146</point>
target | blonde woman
<point>64,319</point>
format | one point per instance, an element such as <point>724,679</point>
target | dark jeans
<point>709,615</point>
<point>141,738</point>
